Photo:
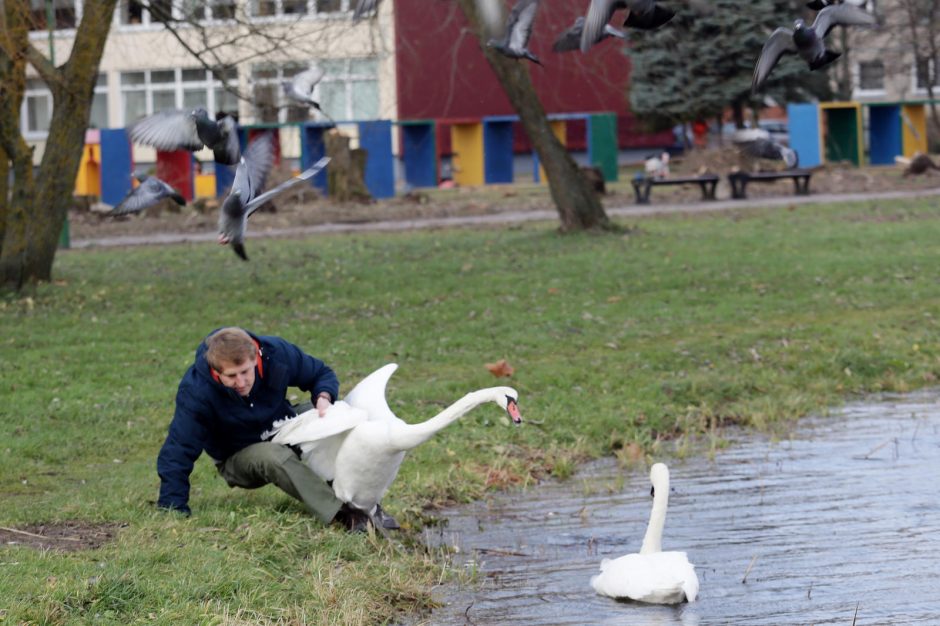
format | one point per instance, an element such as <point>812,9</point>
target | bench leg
<point>712,184</point>
<point>801,183</point>
<point>738,187</point>
<point>642,192</point>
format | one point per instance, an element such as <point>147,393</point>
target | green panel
<point>602,143</point>
<point>842,138</point>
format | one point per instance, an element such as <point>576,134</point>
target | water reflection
<point>843,514</point>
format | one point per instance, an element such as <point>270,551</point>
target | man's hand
<point>323,404</point>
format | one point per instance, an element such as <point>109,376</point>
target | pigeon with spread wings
<point>808,41</point>
<point>641,14</point>
<point>189,130</point>
<point>515,41</point>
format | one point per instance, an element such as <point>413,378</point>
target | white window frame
<point>210,83</point>
<point>279,15</point>
<point>34,92</point>
<point>915,87</point>
<point>63,32</point>
<point>147,22</point>
<point>102,90</point>
<point>857,80</point>
<point>349,78</point>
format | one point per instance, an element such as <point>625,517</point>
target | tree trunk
<point>578,206</point>
<point>35,214</point>
<point>346,174</point>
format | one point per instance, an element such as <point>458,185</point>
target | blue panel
<point>803,120</point>
<point>497,150</point>
<point>884,134</point>
<point>376,138</point>
<point>116,164</point>
<point>312,149</point>
<point>225,174</point>
<point>419,153</point>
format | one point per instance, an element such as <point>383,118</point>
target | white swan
<point>652,575</point>
<point>359,444</point>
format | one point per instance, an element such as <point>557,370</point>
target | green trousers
<point>267,463</point>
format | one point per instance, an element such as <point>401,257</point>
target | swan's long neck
<point>410,436</point>
<point>653,540</point>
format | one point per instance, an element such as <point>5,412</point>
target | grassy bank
<point>680,325</point>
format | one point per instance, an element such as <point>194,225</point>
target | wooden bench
<point>739,181</point>
<point>643,184</point>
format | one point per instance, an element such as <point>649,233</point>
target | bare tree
<point>578,206</point>
<point>923,30</point>
<point>33,211</point>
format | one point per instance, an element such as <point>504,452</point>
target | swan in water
<point>360,444</point>
<point>652,575</point>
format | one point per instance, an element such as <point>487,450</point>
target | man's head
<point>232,354</point>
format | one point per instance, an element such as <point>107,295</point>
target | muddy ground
<point>69,536</point>
<point>308,208</point>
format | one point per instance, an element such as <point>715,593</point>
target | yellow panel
<point>205,185</point>
<point>467,145</point>
<point>913,129</point>
<point>88,181</point>
<point>558,129</point>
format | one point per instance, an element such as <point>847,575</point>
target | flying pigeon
<point>641,14</point>
<point>300,87</point>
<point>807,41</point>
<point>363,7</point>
<point>246,197</point>
<point>149,192</point>
<point>571,38</point>
<point>189,130</point>
<point>518,30</point>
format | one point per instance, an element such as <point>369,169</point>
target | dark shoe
<point>387,521</point>
<point>354,520</point>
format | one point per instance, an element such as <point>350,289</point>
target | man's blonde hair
<point>229,346</point>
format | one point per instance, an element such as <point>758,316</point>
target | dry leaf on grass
<point>500,368</point>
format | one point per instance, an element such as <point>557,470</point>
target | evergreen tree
<point>703,60</point>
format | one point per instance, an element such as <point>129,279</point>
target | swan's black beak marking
<point>513,409</point>
<point>652,492</point>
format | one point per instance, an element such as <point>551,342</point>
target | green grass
<point>651,337</point>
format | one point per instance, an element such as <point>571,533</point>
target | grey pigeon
<point>765,148</point>
<point>246,197</point>
<point>363,7</point>
<point>518,30</point>
<point>189,130</point>
<point>641,14</point>
<point>807,41</point>
<point>571,38</point>
<point>300,87</point>
<point>149,192</point>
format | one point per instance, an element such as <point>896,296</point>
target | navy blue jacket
<point>212,417</point>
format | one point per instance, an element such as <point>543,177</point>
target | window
<point>36,112</point>
<point>871,76</point>
<point>64,14</point>
<point>924,73</point>
<point>271,105</point>
<point>147,92</point>
<point>350,89</point>
<point>99,104</point>
<point>297,8</point>
<point>138,12</point>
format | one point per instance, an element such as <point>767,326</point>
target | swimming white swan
<point>359,444</point>
<point>652,575</point>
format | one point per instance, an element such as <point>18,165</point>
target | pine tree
<point>703,60</point>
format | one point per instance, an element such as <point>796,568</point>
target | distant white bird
<point>149,192</point>
<point>300,87</point>
<point>808,41</point>
<point>651,576</point>
<point>189,130</point>
<point>767,148</point>
<point>570,39</point>
<point>641,14</point>
<point>245,197</point>
<point>360,444</point>
<point>515,41</point>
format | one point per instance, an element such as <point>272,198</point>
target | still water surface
<point>843,514</point>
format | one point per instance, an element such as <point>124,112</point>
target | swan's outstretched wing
<point>369,394</point>
<point>318,438</point>
<point>657,578</point>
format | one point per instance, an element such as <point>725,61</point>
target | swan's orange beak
<point>513,409</point>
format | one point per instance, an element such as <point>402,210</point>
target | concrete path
<point>514,217</point>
